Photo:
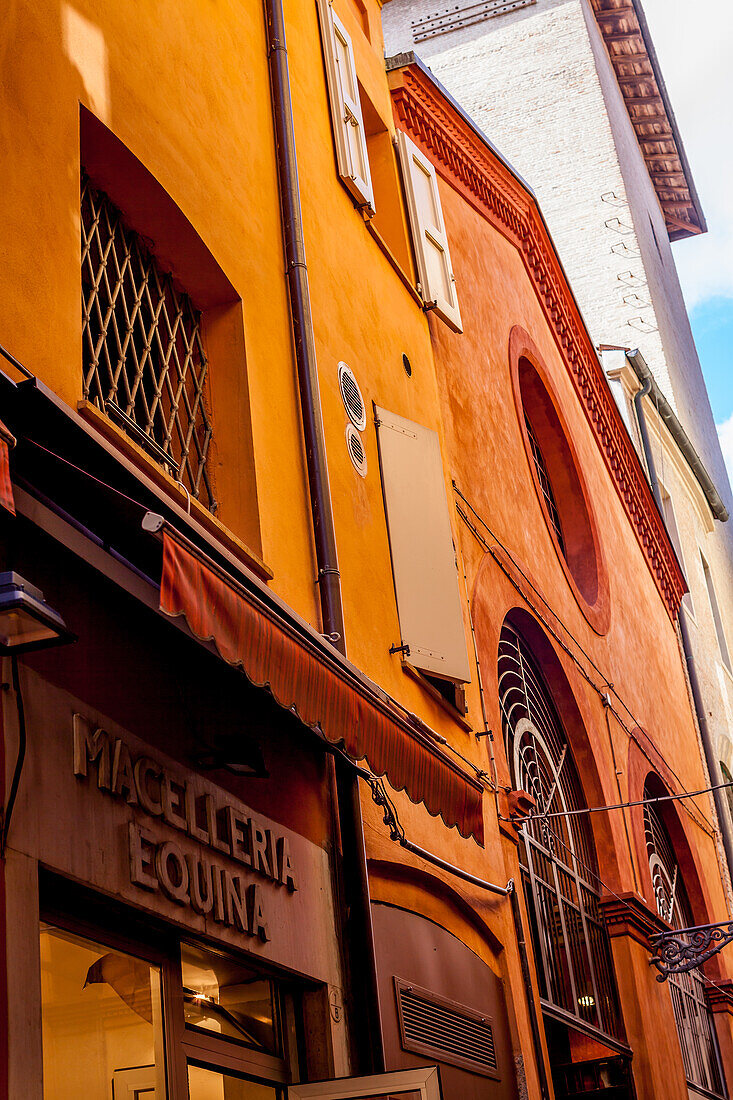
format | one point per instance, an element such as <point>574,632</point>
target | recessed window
<point>102,1020</point>
<point>557,480</point>
<point>717,618</point>
<point>144,362</point>
<point>232,1000</point>
<point>545,486</point>
<point>694,1020</point>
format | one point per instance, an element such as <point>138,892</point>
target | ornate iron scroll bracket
<point>686,948</point>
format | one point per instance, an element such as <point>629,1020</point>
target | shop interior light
<point>26,620</point>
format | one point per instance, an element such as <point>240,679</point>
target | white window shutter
<point>343,93</point>
<point>421,544</point>
<point>428,231</point>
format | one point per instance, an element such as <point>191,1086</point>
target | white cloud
<point>694,46</point>
<point>725,433</point>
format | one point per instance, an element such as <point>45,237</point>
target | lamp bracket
<point>684,949</point>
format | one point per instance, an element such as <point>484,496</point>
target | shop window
<point>435,271</point>
<point>144,362</point>
<point>421,544</point>
<point>209,1084</point>
<point>122,1023</point>
<point>346,111</point>
<point>102,1021</point>
<point>225,997</point>
<point>717,618</point>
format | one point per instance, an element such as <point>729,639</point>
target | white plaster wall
<point>539,83</point>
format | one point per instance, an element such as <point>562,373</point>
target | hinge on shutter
<point>405,649</point>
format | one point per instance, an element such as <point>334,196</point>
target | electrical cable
<point>619,805</point>
<point>622,901</point>
<point>708,827</point>
<point>391,819</point>
<point>22,742</point>
<point>438,738</point>
<point>85,473</point>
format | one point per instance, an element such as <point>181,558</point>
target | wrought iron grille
<point>545,484</point>
<point>557,857</point>
<point>693,1017</point>
<point>143,357</point>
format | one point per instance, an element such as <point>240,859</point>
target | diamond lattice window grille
<point>143,357</point>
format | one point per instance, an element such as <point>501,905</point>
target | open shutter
<point>421,544</point>
<point>428,231</point>
<point>343,93</point>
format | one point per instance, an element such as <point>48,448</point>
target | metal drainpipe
<point>366,1020</point>
<point>702,721</point>
<point>534,1023</point>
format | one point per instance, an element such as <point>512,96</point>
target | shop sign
<point>231,891</point>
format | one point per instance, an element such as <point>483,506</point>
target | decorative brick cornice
<point>467,163</point>
<point>720,996</point>
<point>629,915</point>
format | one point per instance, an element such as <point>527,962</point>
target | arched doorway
<point>693,1017</point>
<point>561,887</point>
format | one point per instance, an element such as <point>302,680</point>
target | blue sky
<point>694,53</point>
<point>695,57</point>
<point>712,325</point>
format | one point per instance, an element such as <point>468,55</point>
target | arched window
<point>557,856</point>
<point>694,1020</point>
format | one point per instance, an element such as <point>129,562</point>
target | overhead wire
<point>605,695</point>
<point>594,874</point>
<point>621,805</point>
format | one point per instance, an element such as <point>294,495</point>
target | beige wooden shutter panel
<point>421,543</point>
<point>346,116</point>
<point>428,231</point>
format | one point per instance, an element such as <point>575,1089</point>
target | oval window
<point>558,483</point>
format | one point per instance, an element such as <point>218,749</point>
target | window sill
<point>163,481</point>
<point>434,694</point>
<point>395,264</point>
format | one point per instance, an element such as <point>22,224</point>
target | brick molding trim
<point>471,167</point>
<point>720,996</point>
<point>629,915</point>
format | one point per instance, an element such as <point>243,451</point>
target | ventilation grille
<point>356,450</point>
<point>450,19</point>
<point>351,397</point>
<point>445,1030</point>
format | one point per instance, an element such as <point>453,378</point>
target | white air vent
<point>445,1030</point>
<point>356,450</point>
<point>351,397</point>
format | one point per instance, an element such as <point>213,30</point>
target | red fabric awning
<point>322,695</point>
<point>6,489</point>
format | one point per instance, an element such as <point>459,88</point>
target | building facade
<point>333,597</point>
<point>572,92</point>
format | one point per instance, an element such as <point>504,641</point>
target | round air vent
<point>351,397</point>
<point>357,453</point>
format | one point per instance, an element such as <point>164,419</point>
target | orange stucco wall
<point>185,88</point>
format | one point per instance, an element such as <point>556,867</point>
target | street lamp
<point>26,620</point>
<point>27,623</point>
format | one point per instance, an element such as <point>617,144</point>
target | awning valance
<point>7,440</point>
<point>322,693</point>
